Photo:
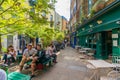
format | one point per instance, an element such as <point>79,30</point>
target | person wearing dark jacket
<point>39,57</point>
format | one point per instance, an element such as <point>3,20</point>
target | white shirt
<point>29,53</point>
<point>8,55</point>
<point>3,75</point>
<point>49,51</point>
<point>12,53</point>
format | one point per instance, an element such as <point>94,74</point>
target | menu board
<point>114,35</point>
<point>115,43</point>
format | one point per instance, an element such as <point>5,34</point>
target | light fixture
<point>83,29</point>
<point>118,22</point>
<point>91,26</point>
<point>99,21</point>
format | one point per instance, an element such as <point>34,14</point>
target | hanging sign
<point>115,43</point>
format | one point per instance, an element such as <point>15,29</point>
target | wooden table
<point>98,65</point>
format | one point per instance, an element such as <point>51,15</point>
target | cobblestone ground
<point>69,67</point>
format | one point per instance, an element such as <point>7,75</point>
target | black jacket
<point>40,54</point>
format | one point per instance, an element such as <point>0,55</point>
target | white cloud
<point>62,7</point>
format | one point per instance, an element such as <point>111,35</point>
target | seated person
<point>7,58</point>
<point>27,56</point>
<point>39,57</point>
<point>50,52</point>
<point>12,52</point>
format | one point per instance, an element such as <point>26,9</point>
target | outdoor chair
<point>77,48</point>
<point>82,51</point>
<point>114,74</point>
<point>116,70</point>
<point>90,54</point>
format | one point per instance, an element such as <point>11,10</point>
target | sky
<point>62,7</point>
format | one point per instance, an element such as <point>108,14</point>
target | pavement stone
<point>69,67</point>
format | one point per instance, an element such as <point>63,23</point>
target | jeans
<point>7,60</point>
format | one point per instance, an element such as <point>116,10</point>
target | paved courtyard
<point>69,67</point>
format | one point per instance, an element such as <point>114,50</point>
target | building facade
<point>72,22</point>
<point>64,24</point>
<point>99,27</point>
<point>57,21</point>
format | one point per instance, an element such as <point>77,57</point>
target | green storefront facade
<point>102,32</point>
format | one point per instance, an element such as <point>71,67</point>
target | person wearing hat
<point>27,56</point>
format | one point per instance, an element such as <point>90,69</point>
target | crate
<point>18,76</point>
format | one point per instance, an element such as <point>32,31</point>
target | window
<point>51,17</point>
<point>89,5</point>
<point>43,14</point>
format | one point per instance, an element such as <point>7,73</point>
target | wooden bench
<point>19,57</point>
<point>49,62</point>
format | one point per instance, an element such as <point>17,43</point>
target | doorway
<point>106,43</point>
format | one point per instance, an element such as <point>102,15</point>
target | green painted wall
<point>116,48</point>
<point>86,34</point>
<point>108,22</point>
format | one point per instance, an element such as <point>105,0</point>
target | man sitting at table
<point>28,55</point>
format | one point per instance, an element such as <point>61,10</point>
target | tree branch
<point>2,2</point>
<point>11,32</point>
<point>14,22</point>
<point>8,8</point>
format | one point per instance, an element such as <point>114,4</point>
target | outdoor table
<point>82,51</point>
<point>87,49</point>
<point>77,47</point>
<point>98,65</point>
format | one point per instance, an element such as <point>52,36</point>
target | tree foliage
<point>25,17</point>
